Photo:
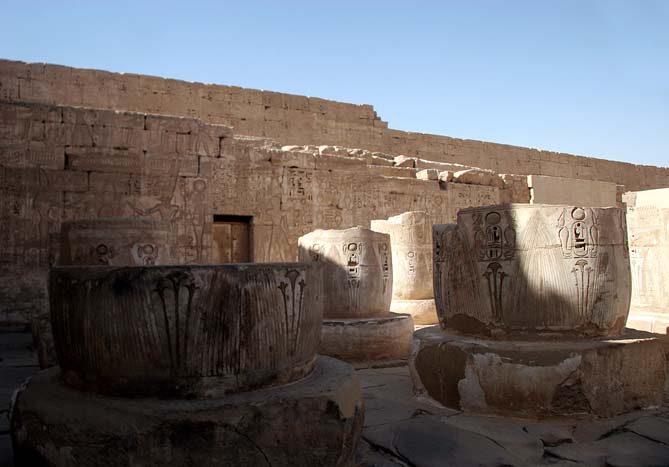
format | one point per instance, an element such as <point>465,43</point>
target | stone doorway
<point>232,239</point>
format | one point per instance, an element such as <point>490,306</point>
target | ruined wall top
<point>292,119</point>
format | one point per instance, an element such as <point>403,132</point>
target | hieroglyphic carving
<point>495,277</point>
<point>298,183</point>
<point>145,253</point>
<point>292,306</point>
<point>584,276</point>
<point>384,253</point>
<point>493,239</point>
<point>100,254</point>
<point>578,232</point>
<point>170,290</point>
<point>353,252</point>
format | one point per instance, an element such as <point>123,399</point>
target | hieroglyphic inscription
<point>384,254</point>
<point>353,253</point>
<point>578,231</point>
<point>494,241</point>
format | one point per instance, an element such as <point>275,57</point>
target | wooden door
<point>232,241</point>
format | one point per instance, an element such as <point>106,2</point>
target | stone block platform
<point>537,376</point>
<point>314,421</point>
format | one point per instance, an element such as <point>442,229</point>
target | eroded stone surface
<point>315,421</point>
<point>184,331</point>
<point>366,339</point>
<point>533,268</point>
<point>604,377</point>
<point>358,279</point>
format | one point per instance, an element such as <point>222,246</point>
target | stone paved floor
<point>401,430</point>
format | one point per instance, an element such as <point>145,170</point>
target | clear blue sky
<point>584,77</point>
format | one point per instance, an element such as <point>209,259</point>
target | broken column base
<point>314,421</point>
<point>604,377</point>
<point>360,340</point>
<point>423,312</point>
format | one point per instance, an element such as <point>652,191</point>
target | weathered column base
<point>314,421</point>
<point>360,340</point>
<point>604,377</point>
<point>422,311</point>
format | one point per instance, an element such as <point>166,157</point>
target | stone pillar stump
<point>357,289</point>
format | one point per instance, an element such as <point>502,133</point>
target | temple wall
<point>62,163</point>
<point>648,231</point>
<point>292,119</point>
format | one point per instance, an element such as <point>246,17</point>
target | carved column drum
<point>116,242</point>
<point>533,268</point>
<point>185,331</point>
<point>358,276</point>
<point>411,240</point>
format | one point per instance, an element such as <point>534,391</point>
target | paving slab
<point>612,447</point>
<point>551,433</point>
<point>655,428</point>
<point>593,430</point>
<point>425,441</point>
<point>508,433</point>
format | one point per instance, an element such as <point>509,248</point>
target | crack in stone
<point>246,437</point>
<point>384,450</point>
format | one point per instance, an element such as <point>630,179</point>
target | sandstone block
<point>478,177</point>
<point>404,161</point>
<point>562,190</point>
<point>427,174</point>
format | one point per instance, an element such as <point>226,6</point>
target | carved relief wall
<point>293,119</point>
<point>63,163</point>
<point>648,227</point>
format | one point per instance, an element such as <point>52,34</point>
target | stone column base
<point>604,377</point>
<point>314,421</point>
<point>367,339</point>
<point>422,311</point>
